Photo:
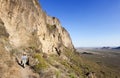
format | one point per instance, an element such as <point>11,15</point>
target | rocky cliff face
<point>29,26</point>
<point>24,26</point>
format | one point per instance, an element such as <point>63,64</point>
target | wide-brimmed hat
<point>24,53</point>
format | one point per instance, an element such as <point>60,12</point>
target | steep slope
<point>29,26</point>
<point>24,26</point>
<point>8,65</point>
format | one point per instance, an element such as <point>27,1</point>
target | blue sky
<point>90,23</point>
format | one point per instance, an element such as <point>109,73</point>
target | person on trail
<point>24,59</point>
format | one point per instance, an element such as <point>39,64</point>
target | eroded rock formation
<point>29,26</point>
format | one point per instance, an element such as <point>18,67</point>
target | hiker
<point>24,59</point>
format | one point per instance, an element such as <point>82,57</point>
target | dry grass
<point>42,64</point>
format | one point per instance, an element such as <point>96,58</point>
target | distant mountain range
<point>110,47</point>
<point>105,47</point>
<point>116,47</point>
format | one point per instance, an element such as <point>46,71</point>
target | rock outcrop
<point>29,26</point>
<point>24,26</point>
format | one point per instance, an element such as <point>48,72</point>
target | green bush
<point>72,75</point>
<point>42,64</point>
<point>57,74</point>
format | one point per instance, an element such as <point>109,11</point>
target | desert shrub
<point>42,64</point>
<point>51,27</point>
<point>72,75</point>
<point>77,64</point>
<point>65,63</point>
<point>14,52</point>
<point>57,74</point>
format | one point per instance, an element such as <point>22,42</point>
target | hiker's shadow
<point>19,63</point>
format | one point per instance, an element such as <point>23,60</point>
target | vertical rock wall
<point>29,26</point>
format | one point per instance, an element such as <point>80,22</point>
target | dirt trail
<point>28,73</point>
<point>25,72</point>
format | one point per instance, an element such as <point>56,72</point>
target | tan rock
<point>29,26</point>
